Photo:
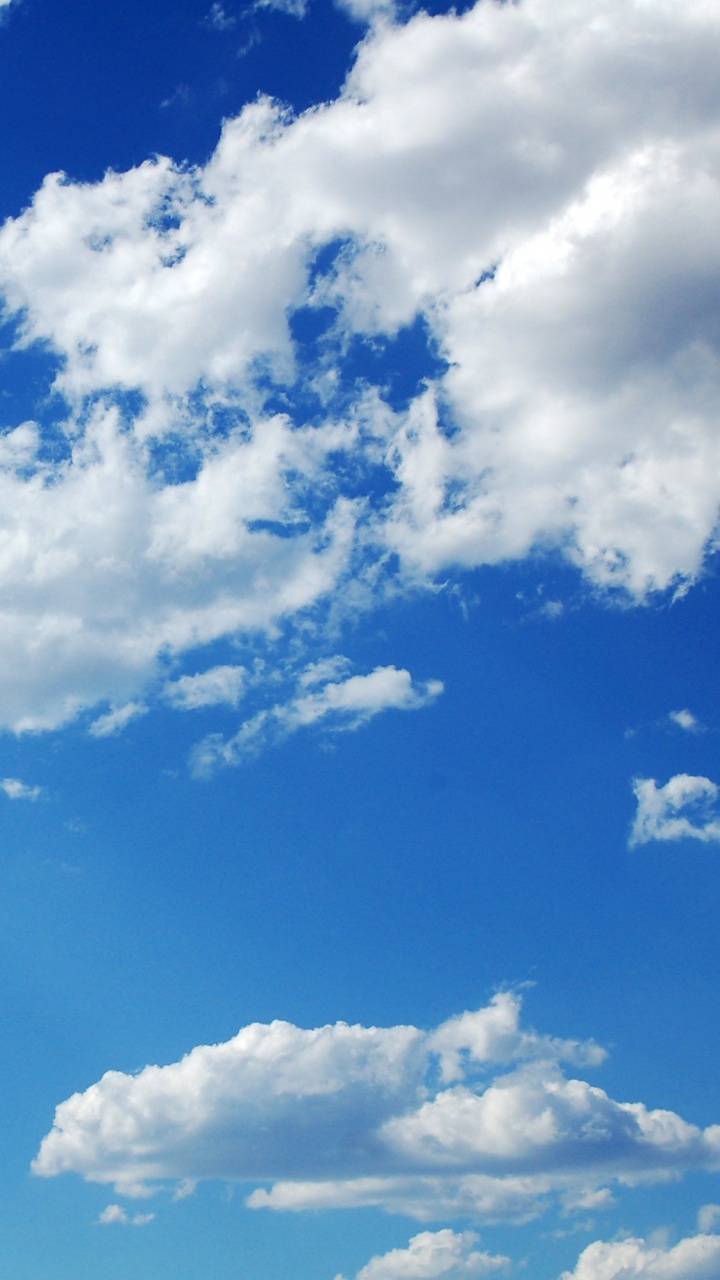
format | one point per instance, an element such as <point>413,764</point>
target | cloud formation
<point>223,475</point>
<point>475,1118</point>
<point>685,808</point>
<point>431,1255</point>
<point>339,704</point>
<point>695,1258</point>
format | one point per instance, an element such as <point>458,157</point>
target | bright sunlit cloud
<point>563,266</point>
<point>345,1116</point>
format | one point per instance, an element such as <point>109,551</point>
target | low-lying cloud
<point>476,1118</point>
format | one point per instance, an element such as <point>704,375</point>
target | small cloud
<point>219,19</point>
<point>216,687</point>
<point>115,721</point>
<point>708,1217</point>
<point>114,1214</point>
<point>592,1198</point>
<point>686,720</point>
<point>16,790</point>
<point>339,703</point>
<point>686,807</point>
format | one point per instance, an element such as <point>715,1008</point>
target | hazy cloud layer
<point>564,265</point>
<point>475,1118</point>
<point>685,808</point>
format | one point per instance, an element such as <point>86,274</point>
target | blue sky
<point>359,695</point>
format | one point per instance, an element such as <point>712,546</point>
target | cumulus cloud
<point>431,1255</point>
<point>350,1115</point>
<point>695,1258</point>
<point>564,266</point>
<point>340,704</point>
<point>685,808</point>
<point>16,790</point>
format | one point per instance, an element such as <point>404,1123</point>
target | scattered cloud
<point>475,1118</point>
<point>219,686</point>
<point>115,1214</point>
<point>685,808</point>
<point>431,1255</point>
<point>115,721</point>
<point>341,704</point>
<point>686,720</point>
<point>564,266</point>
<point>695,1258</point>
<point>16,790</point>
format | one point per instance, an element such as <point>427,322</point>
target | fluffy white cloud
<point>350,1115</point>
<point>431,1255</point>
<point>686,807</point>
<point>564,262</point>
<point>16,790</point>
<point>695,1258</point>
<point>340,704</point>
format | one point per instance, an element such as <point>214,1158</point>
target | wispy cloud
<point>114,1214</point>
<point>117,720</point>
<point>219,686</point>
<point>685,808</point>
<point>337,704</point>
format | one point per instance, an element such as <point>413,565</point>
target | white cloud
<point>115,1214</point>
<point>115,721</point>
<point>565,263</point>
<point>695,1258</point>
<point>685,808</point>
<point>16,790</point>
<point>431,1255</point>
<point>340,704</point>
<point>351,1115</point>
<point>686,720</point>
<point>216,687</point>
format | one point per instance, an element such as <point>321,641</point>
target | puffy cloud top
<point>347,1115</point>
<point>536,186</point>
